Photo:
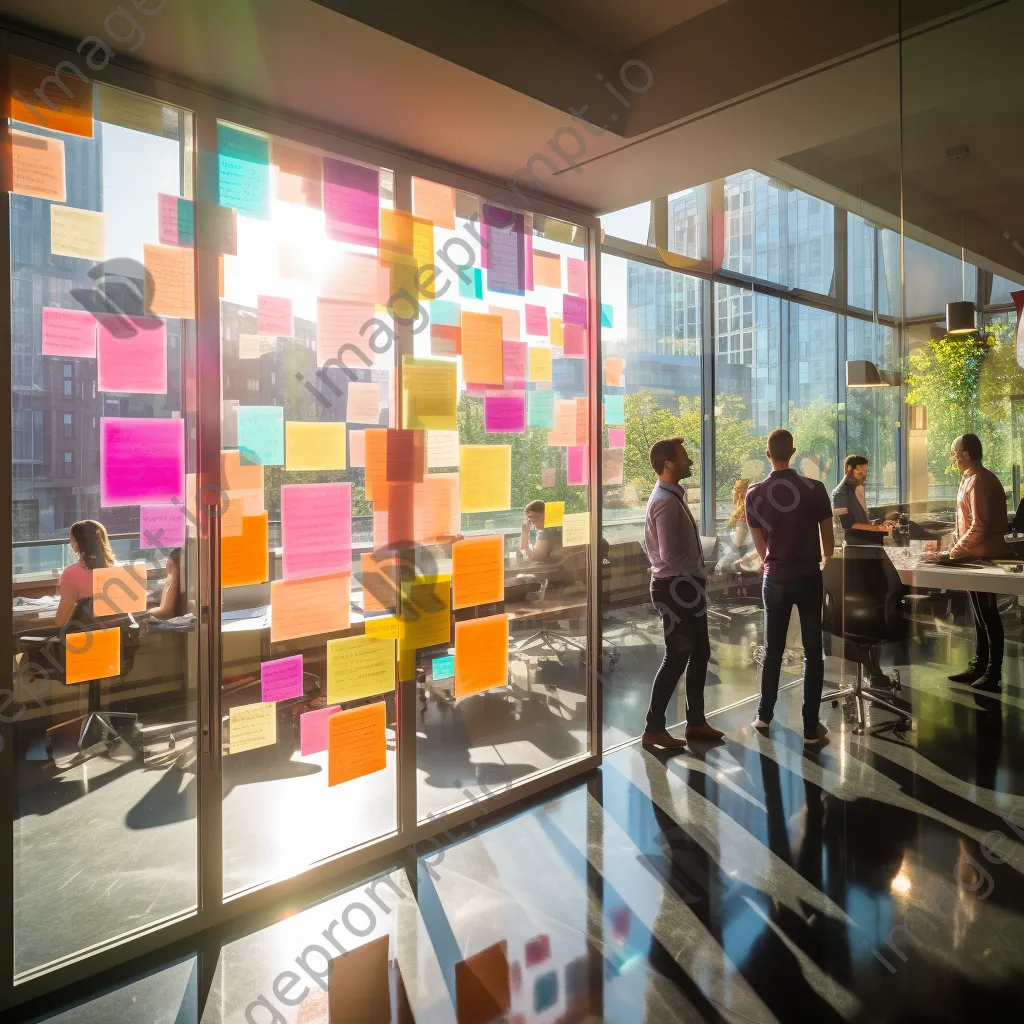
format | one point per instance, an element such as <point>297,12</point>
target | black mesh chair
<point>866,606</point>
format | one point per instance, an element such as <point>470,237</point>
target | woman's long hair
<point>739,495</point>
<point>93,543</point>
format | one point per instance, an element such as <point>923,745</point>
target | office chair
<point>544,641</point>
<point>50,643</point>
<point>865,607</point>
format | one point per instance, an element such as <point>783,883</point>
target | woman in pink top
<point>90,542</point>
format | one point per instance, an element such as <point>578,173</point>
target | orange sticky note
<point>380,585</point>
<point>363,403</point>
<point>375,446</point>
<point>170,281</point>
<point>37,166</point>
<point>481,654</point>
<point>481,349</point>
<point>95,654</point>
<point>564,430</point>
<point>511,322</point>
<point>356,743</point>
<point>613,373</point>
<point>343,332</point>
<point>547,269</point>
<point>243,488</point>
<point>298,174</point>
<point>582,424</point>
<point>245,559</point>
<point>356,277</point>
<point>426,613</point>
<point>40,98</point>
<point>357,449</point>
<point>406,456</point>
<point>395,526</point>
<point>436,509</point>
<point>119,589</point>
<point>478,571</point>
<point>434,202</point>
<point>309,607</point>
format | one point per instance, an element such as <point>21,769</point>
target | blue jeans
<point>805,592</point>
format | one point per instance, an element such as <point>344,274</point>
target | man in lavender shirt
<point>678,590</point>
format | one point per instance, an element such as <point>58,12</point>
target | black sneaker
<point>817,739</point>
<point>969,674</point>
<point>991,684</point>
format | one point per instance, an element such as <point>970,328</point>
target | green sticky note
<point>607,315</point>
<point>444,313</point>
<point>261,434</point>
<point>614,412</point>
<point>243,172</point>
<point>473,289</point>
<point>541,409</point>
<point>443,668</point>
<point>186,223</point>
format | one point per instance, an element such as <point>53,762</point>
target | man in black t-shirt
<point>790,521</point>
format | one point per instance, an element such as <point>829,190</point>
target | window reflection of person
<point>548,544</point>
<point>90,542</point>
<point>172,597</point>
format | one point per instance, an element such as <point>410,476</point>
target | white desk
<point>987,579</point>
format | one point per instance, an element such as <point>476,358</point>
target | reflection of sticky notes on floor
<point>359,986</point>
<point>244,559</point>
<point>576,529</point>
<point>119,589</point>
<point>482,992</point>
<point>478,571</point>
<point>359,666</point>
<point>357,743</point>
<point>81,233</point>
<point>314,446</point>
<point>481,654</point>
<point>309,607</point>
<point>94,654</point>
<point>37,166</point>
<point>485,477</point>
<point>251,726</point>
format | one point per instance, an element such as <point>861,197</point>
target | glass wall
<point>104,559</point>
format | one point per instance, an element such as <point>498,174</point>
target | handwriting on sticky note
<point>313,730</point>
<point>142,460</point>
<point>37,166</point>
<point>357,743</point>
<point>481,654</point>
<point>359,666</point>
<point>316,529</point>
<point>274,316</point>
<point>576,529</point>
<point>69,333</point>
<point>251,726</point>
<point>244,559</point>
<point>363,403</point>
<point>314,446</point>
<point>309,607</point>
<point>81,233</point>
<point>119,589</point>
<point>482,354</point>
<point>132,363</point>
<point>170,281</point>
<point>281,679</point>
<point>92,654</point>
<point>478,571</point>
<point>485,478</point>
<point>430,395</point>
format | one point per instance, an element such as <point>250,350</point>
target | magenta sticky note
<point>167,210</point>
<point>504,413</point>
<point>577,276</point>
<point>142,461</point>
<point>574,341</point>
<point>529,257</point>
<point>513,363</point>
<point>574,310</point>
<point>274,316</point>
<point>316,530</point>
<point>161,526</point>
<point>576,469</point>
<point>281,679</point>
<point>132,354</point>
<point>536,320</point>
<point>313,730</point>
<point>69,332</point>
<point>352,202</point>
<point>616,437</point>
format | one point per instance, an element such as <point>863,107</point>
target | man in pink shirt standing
<point>980,533</point>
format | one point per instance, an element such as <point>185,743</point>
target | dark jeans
<point>989,627</point>
<point>780,596</point>
<point>684,615</point>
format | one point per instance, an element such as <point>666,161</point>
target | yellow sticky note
<point>37,166</point>
<point>481,654</point>
<point>555,325</point>
<point>554,514</point>
<point>478,571</point>
<point>426,613</point>
<point>251,726</point>
<point>81,233</point>
<point>430,394</point>
<point>252,346</point>
<point>356,743</point>
<point>485,477</point>
<point>170,282</point>
<point>119,589</point>
<point>359,666</point>
<point>540,363</point>
<point>575,529</point>
<point>383,627</point>
<point>129,110</point>
<point>309,446</point>
<point>95,654</point>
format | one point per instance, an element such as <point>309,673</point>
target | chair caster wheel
<point>835,703</point>
<point>858,730</point>
<point>49,752</point>
<point>171,744</point>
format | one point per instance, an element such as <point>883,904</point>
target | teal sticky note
<point>444,313</point>
<point>443,668</point>
<point>243,172</point>
<point>541,409</point>
<point>607,315</point>
<point>614,411</point>
<point>261,435</point>
<point>474,288</point>
<point>186,222</point>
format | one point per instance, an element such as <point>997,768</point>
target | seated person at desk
<point>548,545</point>
<point>172,597</point>
<point>849,506</point>
<point>90,542</point>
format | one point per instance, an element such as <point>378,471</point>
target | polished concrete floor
<point>880,879</point>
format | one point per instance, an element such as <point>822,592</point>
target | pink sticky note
<point>536,320</point>
<point>132,355</point>
<point>142,460</point>
<point>574,341</point>
<point>281,679</point>
<point>274,316</point>
<point>167,210</point>
<point>576,469</point>
<point>504,413</point>
<point>511,328</point>
<point>574,310</point>
<point>616,437</point>
<point>316,530</point>
<point>513,363</point>
<point>357,449</point>
<point>313,730</point>
<point>577,276</point>
<point>161,526</point>
<point>69,332</point>
<point>352,202</point>
<point>529,254</point>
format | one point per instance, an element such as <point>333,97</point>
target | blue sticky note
<point>243,172</point>
<point>614,411</point>
<point>261,435</point>
<point>545,992</point>
<point>607,315</point>
<point>541,409</point>
<point>443,668</point>
<point>474,287</point>
<point>444,313</point>
<point>186,222</point>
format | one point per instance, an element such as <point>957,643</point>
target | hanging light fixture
<point>960,315</point>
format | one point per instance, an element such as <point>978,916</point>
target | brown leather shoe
<point>662,739</point>
<point>703,732</point>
